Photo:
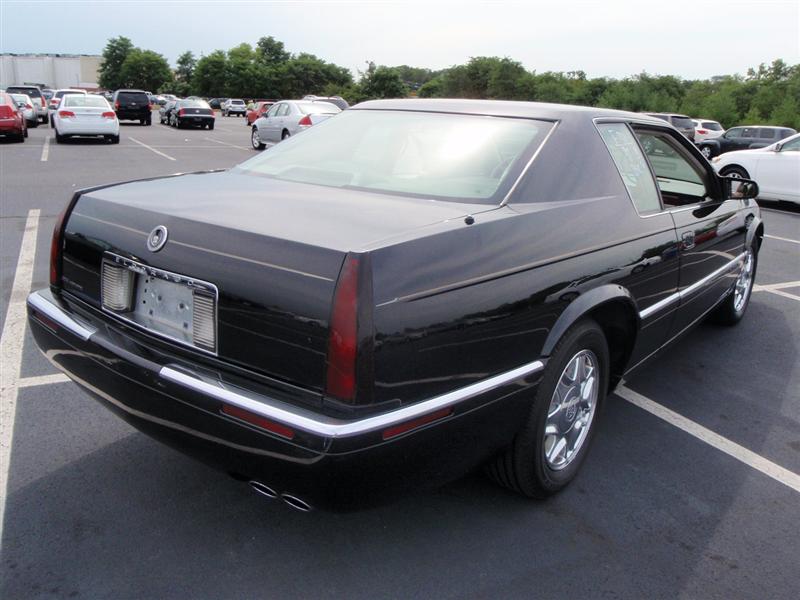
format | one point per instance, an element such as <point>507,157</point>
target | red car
<point>259,110</point>
<point>12,121</point>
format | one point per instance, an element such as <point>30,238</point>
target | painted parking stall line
<point>227,144</point>
<point>45,149</point>
<point>26,382</point>
<point>782,239</point>
<point>11,344</point>
<point>723,444</point>
<point>167,156</point>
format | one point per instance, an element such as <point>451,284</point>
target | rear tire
<point>45,120</point>
<point>60,139</point>
<point>114,139</point>
<point>285,135</point>
<point>33,124</point>
<point>548,451</point>
<point>210,126</point>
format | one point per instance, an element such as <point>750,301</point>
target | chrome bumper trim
<point>681,294</point>
<point>59,316</point>
<point>337,428</point>
<point>290,415</point>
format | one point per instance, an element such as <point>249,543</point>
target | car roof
<point>506,108</point>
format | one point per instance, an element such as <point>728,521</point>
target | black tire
<point>148,121</point>
<point>60,139</point>
<point>33,124</point>
<point>45,119</point>
<point>25,134</point>
<point>707,151</point>
<point>210,126</point>
<point>524,468</point>
<point>179,124</point>
<point>259,145</point>
<point>735,171</point>
<point>285,135</point>
<point>731,310</point>
<point>52,124</point>
<point>114,139</point>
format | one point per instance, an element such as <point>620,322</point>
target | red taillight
<point>702,131</point>
<point>415,423</point>
<point>343,340</point>
<point>110,114</point>
<point>305,121</point>
<point>116,104</point>
<point>181,112</point>
<point>149,107</point>
<point>258,421</point>
<point>66,114</point>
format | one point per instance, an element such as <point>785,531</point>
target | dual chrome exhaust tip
<point>291,500</point>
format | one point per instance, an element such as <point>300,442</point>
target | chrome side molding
<point>681,294</point>
<point>58,316</point>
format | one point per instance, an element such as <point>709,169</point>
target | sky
<point>614,38</point>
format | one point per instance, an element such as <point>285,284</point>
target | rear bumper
<point>133,115</point>
<point>75,127</point>
<point>327,462</point>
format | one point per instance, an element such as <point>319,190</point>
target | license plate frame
<point>163,303</point>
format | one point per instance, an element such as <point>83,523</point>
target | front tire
<point>736,172</point>
<point>285,135</point>
<point>732,309</point>
<point>550,448</point>
<point>255,140</point>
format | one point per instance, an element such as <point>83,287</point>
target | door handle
<point>687,240</point>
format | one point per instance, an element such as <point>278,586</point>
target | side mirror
<point>738,188</point>
<point>778,147</point>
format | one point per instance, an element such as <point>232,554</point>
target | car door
<point>748,138</point>
<point>270,126</point>
<point>778,172</point>
<point>711,229</point>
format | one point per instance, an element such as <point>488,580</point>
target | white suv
<point>234,106</point>
<point>706,129</point>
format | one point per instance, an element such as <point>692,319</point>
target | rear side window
<point>750,132</point>
<point>766,134</point>
<point>632,166</point>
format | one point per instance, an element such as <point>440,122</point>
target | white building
<point>50,70</point>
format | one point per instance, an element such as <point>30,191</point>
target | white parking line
<point>150,148</point>
<point>783,239</point>
<point>45,149</point>
<point>42,380</point>
<point>723,444</point>
<point>777,289</point>
<point>11,342</point>
<point>227,144</point>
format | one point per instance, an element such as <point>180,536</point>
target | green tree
<point>114,54</point>
<point>787,113</point>
<point>306,74</point>
<point>382,82</point>
<point>504,78</point>
<point>185,67</point>
<point>210,74</point>
<point>145,69</point>
<point>271,52</point>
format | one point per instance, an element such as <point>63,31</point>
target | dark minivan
<point>132,105</point>
<point>744,138</point>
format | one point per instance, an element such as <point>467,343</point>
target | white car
<point>81,114</point>
<point>775,168</point>
<point>28,108</point>
<point>706,129</point>
<point>234,106</point>
<point>287,118</point>
<point>56,99</point>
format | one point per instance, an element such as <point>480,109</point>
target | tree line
<point>766,94</point>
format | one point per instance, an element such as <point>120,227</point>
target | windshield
<point>88,101</point>
<point>682,122</point>
<point>445,156</point>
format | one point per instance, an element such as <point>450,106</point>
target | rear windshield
<point>318,108</point>
<point>237,101</point>
<point>20,97</point>
<point>194,104</point>
<point>33,92</point>
<point>89,101</point>
<point>133,97</point>
<point>662,117</point>
<point>682,122</point>
<point>62,93</point>
<point>712,125</point>
<point>432,155</point>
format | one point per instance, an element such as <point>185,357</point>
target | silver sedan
<point>287,118</point>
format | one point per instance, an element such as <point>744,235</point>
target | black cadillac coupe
<point>403,293</point>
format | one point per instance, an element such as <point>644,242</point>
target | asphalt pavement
<point>690,490</point>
